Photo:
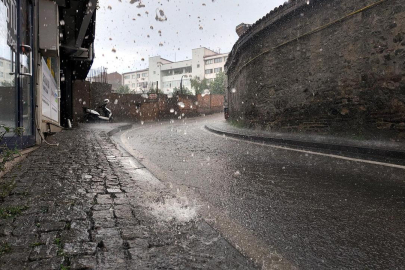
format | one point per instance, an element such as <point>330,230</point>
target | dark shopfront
<point>45,46</point>
<point>16,70</point>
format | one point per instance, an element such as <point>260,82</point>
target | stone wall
<point>210,103</point>
<point>345,77</point>
<point>137,107</point>
<point>190,107</point>
<point>81,98</point>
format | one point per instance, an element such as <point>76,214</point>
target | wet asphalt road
<point>317,212</point>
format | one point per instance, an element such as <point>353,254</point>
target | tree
<point>218,85</point>
<point>199,85</point>
<point>123,89</point>
<point>152,91</point>
<point>186,91</point>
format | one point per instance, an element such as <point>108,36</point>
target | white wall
<point>155,63</point>
<point>133,80</point>
<point>198,62</point>
<point>180,64</point>
<point>214,65</point>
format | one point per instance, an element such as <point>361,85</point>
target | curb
<point>119,129</point>
<point>352,149</point>
<point>110,135</point>
<point>17,159</point>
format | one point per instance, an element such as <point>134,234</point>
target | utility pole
<point>181,84</point>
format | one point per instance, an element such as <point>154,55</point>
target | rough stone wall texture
<point>125,107</point>
<point>81,98</point>
<point>99,92</point>
<point>210,103</point>
<point>190,105</point>
<point>347,76</point>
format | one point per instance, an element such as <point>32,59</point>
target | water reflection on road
<point>316,211</point>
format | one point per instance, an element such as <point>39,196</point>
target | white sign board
<point>50,99</point>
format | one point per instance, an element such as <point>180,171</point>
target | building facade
<point>214,64</point>
<point>100,75</point>
<point>44,46</point>
<point>137,81</point>
<point>166,75</point>
<point>115,79</point>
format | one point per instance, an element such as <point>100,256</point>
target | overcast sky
<point>126,35</point>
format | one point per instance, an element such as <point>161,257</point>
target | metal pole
<point>181,85</point>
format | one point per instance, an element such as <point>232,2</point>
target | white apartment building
<point>137,81</point>
<point>213,65</point>
<point>167,75</point>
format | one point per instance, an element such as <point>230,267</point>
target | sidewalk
<point>86,205</point>
<point>371,149</point>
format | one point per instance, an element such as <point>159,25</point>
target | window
<point>217,60</point>
<point>216,70</point>
<point>1,74</point>
<point>133,85</point>
<point>198,65</point>
<point>178,71</point>
<point>133,76</point>
<point>138,76</point>
<point>139,84</point>
<point>126,77</point>
<point>144,74</point>
<point>208,71</point>
<point>209,61</point>
<point>154,72</point>
<point>188,69</point>
<point>1,63</point>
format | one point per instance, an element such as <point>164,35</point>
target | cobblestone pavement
<point>86,205</point>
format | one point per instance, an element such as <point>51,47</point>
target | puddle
<point>130,163</point>
<point>143,175</point>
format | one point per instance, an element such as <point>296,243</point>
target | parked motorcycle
<point>94,115</point>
